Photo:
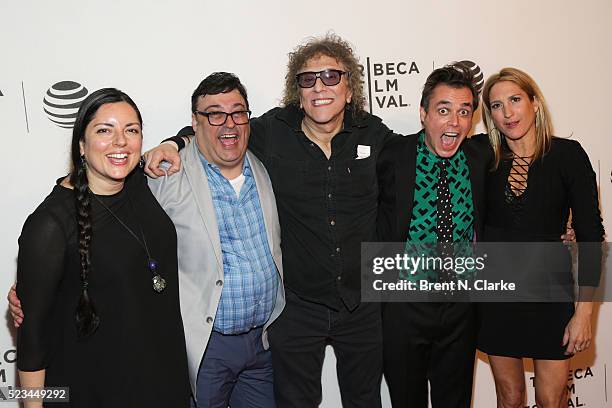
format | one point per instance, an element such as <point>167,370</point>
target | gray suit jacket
<point>186,198</point>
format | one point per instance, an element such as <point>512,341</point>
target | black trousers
<point>298,339</point>
<point>429,342</point>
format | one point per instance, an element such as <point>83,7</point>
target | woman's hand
<point>578,335</point>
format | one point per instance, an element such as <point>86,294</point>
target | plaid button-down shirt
<point>250,276</point>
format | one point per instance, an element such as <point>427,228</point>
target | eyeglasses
<point>219,118</point>
<point>329,77</point>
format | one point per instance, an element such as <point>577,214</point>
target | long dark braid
<point>86,317</point>
<point>87,320</point>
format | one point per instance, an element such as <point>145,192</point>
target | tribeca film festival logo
<point>9,356</point>
<point>384,82</point>
<point>575,375</point>
<point>62,102</point>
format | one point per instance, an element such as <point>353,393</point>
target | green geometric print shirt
<point>423,235</point>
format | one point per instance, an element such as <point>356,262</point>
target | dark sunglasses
<point>329,77</point>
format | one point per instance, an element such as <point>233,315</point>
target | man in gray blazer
<point>230,266</point>
<point>229,256</point>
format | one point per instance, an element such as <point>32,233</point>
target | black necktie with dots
<point>444,224</point>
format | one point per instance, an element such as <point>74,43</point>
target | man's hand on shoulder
<point>166,151</point>
<point>15,306</point>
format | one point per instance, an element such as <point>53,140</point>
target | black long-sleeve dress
<point>137,356</point>
<point>561,181</point>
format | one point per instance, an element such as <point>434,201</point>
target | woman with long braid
<point>97,275</point>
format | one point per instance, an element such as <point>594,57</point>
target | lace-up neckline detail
<point>517,179</point>
<point>516,186</point>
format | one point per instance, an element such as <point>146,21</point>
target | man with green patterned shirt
<point>423,238</point>
<point>432,194</point>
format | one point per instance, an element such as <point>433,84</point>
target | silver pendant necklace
<point>159,283</point>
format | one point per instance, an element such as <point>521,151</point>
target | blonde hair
<point>543,122</point>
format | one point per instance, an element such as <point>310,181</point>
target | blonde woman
<point>536,181</point>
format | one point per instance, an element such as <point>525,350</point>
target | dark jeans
<point>298,339</point>
<point>433,342</point>
<point>236,370</point>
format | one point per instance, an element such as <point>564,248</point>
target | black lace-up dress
<point>531,202</point>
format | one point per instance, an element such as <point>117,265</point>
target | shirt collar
<point>246,166</point>
<point>454,162</point>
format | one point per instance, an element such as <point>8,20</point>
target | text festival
<point>573,400</point>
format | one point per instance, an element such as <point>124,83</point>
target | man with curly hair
<point>320,149</point>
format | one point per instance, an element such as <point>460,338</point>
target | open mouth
<point>449,139</point>
<point>117,159</point>
<point>228,139</point>
<point>322,102</point>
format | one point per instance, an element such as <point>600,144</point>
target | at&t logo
<point>477,74</point>
<point>62,102</point>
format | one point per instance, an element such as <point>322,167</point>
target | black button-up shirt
<point>326,207</point>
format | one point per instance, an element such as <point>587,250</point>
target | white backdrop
<point>158,53</point>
